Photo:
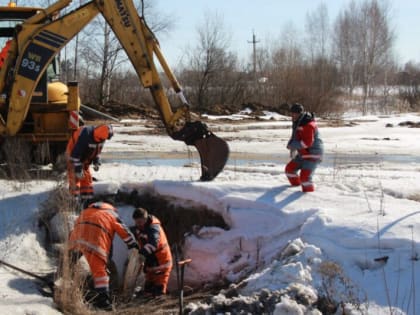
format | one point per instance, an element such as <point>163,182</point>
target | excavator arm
<point>40,38</point>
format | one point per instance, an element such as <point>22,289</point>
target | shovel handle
<point>33,275</point>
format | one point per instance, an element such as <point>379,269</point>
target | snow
<point>279,237</point>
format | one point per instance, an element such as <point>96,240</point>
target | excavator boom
<point>39,39</point>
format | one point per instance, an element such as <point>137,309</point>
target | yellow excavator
<point>35,106</point>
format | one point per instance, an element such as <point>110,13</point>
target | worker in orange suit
<point>92,237</point>
<point>83,149</point>
<point>155,252</point>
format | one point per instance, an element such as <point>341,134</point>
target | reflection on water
<point>248,159</point>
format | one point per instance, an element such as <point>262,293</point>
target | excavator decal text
<point>123,13</point>
<point>34,57</point>
<point>34,60</point>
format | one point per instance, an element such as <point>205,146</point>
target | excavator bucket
<point>214,151</point>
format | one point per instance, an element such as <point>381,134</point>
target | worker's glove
<point>96,164</point>
<point>78,171</point>
<point>293,153</point>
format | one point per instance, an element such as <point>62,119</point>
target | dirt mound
<point>123,110</point>
<point>257,109</point>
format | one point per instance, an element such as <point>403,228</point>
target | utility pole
<point>254,53</point>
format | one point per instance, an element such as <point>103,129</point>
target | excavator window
<point>10,17</point>
<point>52,71</point>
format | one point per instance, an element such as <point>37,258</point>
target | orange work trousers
<point>82,187</point>
<point>98,269</point>
<point>158,277</point>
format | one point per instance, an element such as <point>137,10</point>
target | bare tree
<point>345,46</point>
<point>320,72</point>
<point>318,45</point>
<point>364,41</point>
<point>101,54</point>
<point>409,84</point>
<point>375,43</point>
<point>304,73</point>
<point>286,65</point>
<point>100,51</point>
<point>210,69</point>
<point>158,22</point>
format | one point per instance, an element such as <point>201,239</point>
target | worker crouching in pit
<point>92,237</point>
<point>155,252</point>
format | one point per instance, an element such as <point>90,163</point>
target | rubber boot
<point>306,181</point>
<point>102,300</point>
<point>158,290</point>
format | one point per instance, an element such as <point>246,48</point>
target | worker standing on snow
<point>154,252</point>
<point>306,148</point>
<point>83,149</point>
<point>92,237</point>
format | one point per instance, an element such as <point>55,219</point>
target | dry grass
<point>22,161</point>
<point>69,293</point>
<point>17,157</point>
<point>60,202</point>
<point>336,289</point>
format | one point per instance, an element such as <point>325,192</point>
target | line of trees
<point>319,69</point>
<point>329,62</point>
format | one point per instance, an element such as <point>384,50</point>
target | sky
<point>267,18</point>
<point>279,237</point>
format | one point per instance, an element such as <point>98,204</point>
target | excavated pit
<point>178,220</point>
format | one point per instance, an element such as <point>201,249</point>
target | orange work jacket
<point>95,228</point>
<point>153,244</point>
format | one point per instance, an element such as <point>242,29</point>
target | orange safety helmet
<point>102,133</point>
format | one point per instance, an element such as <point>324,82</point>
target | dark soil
<point>149,111</point>
<point>168,304</point>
